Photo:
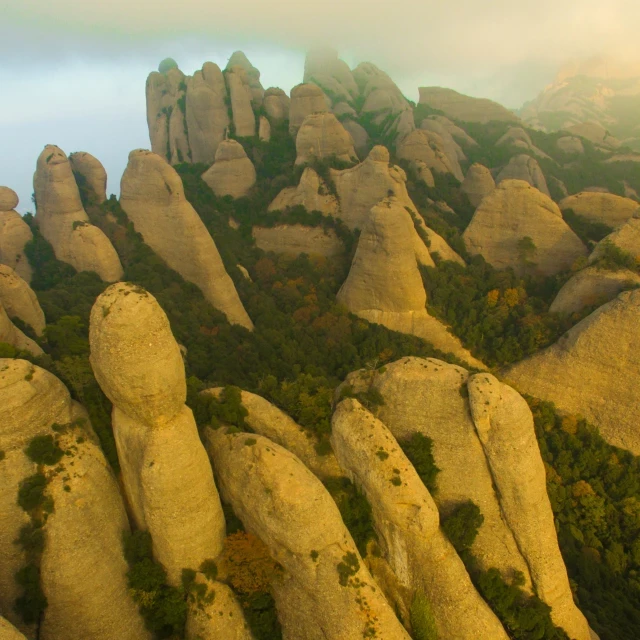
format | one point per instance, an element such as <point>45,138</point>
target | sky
<point>73,72</point>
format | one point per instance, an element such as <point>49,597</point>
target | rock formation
<point>460,107</point>
<point>294,239</point>
<point>241,96</point>
<point>459,134</point>
<point>83,570</point>
<point>165,471</point>
<point>428,147</point>
<point>323,67</point>
<point>325,585</point>
<point>264,129</point>
<point>232,173</point>
<point>407,522</point>
<point>10,334</point>
<point>592,286</point>
<point>592,371</point>
<point>276,104</point>
<point>153,197</point>
<point>524,167</point>
<point>452,149</point>
<point>9,632</point>
<point>322,136</point>
<point>626,238</point>
<point>359,135</point>
<point>571,145</point>
<point>384,285</point>
<point>90,175</point>
<point>65,224</point>
<point>596,134</point>
<point>306,99</point>
<point>478,183</point>
<point>311,193</point>
<point>239,59</point>
<point>14,234</point>
<point>519,138</point>
<point>19,300</point>
<point>513,212</point>
<point>605,208</point>
<point>207,114</point>
<point>382,95</point>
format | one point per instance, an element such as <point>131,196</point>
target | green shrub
<point>588,231</point>
<point>44,450</point>
<point>32,603</point>
<point>167,64</point>
<point>613,258</point>
<point>31,538</point>
<point>419,449</point>
<point>423,623</point>
<point>31,493</point>
<point>461,526</point>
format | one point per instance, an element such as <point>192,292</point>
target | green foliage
<point>589,232</point>
<point>348,568</point>
<point>167,64</point>
<point>462,524</point>
<point>44,450</point>
<point>613,258</point>
<point>423,623</point>
<point>260,612</point>
<point>419,449</point>
<point>209,569</point>
<point>31,493</point>
<point>31,538</point>
<point>32,603</point>
<point>3,455</point>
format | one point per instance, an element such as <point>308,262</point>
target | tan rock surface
<point>276,104</point>
<point>570,144</point>
<point>232,174</point>
<point>65,224</point>
<point>592,371</point>
<point>460,107</point>
<point>166,474</point>
<point>89,170</point>
<point>626,237</point>
<point>323,67</point>
<point>427,147</point>
<point>478,183</point>
<point>516,210</point>
<point>239,59</point>
<point>504,425</point>
<point>207,115</point>
<point>311,193</point>
<point>264,129</point>
<point>605,208</point>
<point>519,138</point>
<point>459,134</point>
<point>14,234</point>
<point>281,501</point>
<point>452,149</point>
<point>10,334</point>
<point>424,173</point>
<point>8,199</point>
<point>322,136</point>
<point>294,239</point>
<point>152,195</point>
<point>19,300</point>
<point>241,96</point>
<point>407,521</point>
<point>9,632</point>
<point>382,95</point>
<point>524,167</point>
<point>595,133</point>
<point>592,286</point>
<point>306,99</point>
<point>358,133</point>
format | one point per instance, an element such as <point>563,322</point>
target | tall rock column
<point>244,119</point>
<point>14,234</point>
<point>166,472</point>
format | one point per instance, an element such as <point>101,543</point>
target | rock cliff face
<point>324,586</point>
<point>452,149</point>
<point>9,632</point>
<point>65,224</point>
<point>592,371</point>
<point>596,134</point>
<point>524,167</point>
<point>153,197</point>
<point>428,147</point>
<point>295,239</point>
<point>605,208</point>
<point>515,210</point>
<point>10,334</point>
<point>478,183</point>
<point>311,193</point>
<point>408,525</point>
<point>241,96</point>
<point>459,134</point>
<point>322,136</point>
<point>19,300</point>
<point>571,145</point>
<point>166,474</point>
<point>519,138</point>
<point>232,173</point>
<point>626,237</point>
<point>306,99</point>
<point>90,174</point>
<point>460,107</point>
<point>14,234</point>
<point>332,75</point>
<point>592,286</point>
<point>276,104</point>
<point>239,59</point>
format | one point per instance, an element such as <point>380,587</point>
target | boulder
<point>592,371</point>
<point>323,67</point>
<point>239,59</point>
<point>512,212</point>
<point>322,136</point>
<point>8,199</point>
<point>295,239</point>
<point>424,174</point>
<point>478,183</point>
<point>311,193</point>
<point>241,96</point>
<point>382,95</point>
<point>592,286</point>
<point>325,590</point>
<point>232,174</point>
<point>14,234</point>
<point>90,175</point>
<point>10,334</point>
<point>152,195</point>
<point>626,238</point>
<point>165,472</point>
<point>407,521</point>
<point>427,147</point>
<point>64,222</point>
<point>207,114</point>
<point>524,167</point>
<point>19,300</point>
<point>604,208</point>
<point>571,145</point>
<point>306,99</point>
<point>519,138</point>
<point>457,106</point>
<point>452,149</point>
<point>276,104</point>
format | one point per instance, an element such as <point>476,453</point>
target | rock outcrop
<point>241,96</point>
<point>571,145</point>
<point>153,197</point>
<point>458,133</point>
<point>90,175</point>
<point>276,104</point>
<point>232,173</point>
<point>452,149</point>
<point>323,67</point>
<point>408,525</point>
<point>325,590</point>
<point>382,95</point>
<point>239,59</point>
<point>322,136</point>
<point>595,133</point>
<point>626,238</point>
<point>428,147</point>
<point>65,224</point>
<point>19,300</point>
<point>10,334</point>
<point>311,193</point>
<point>264,129</point>
<point>592,286</point>
<point>524,167</point>
<point>460,107</point>
<point>605,208</point>
<point>592,371</point>
<point>358,133</point>
<point>14,234</point>
<point>306,99</point>
<point>513,212</point>
<point>384,285</point>
<point>9,632</point>
<point>166,474</point>
<point>519,138</point>
<point>478,183</point>
<point>295,239</point>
